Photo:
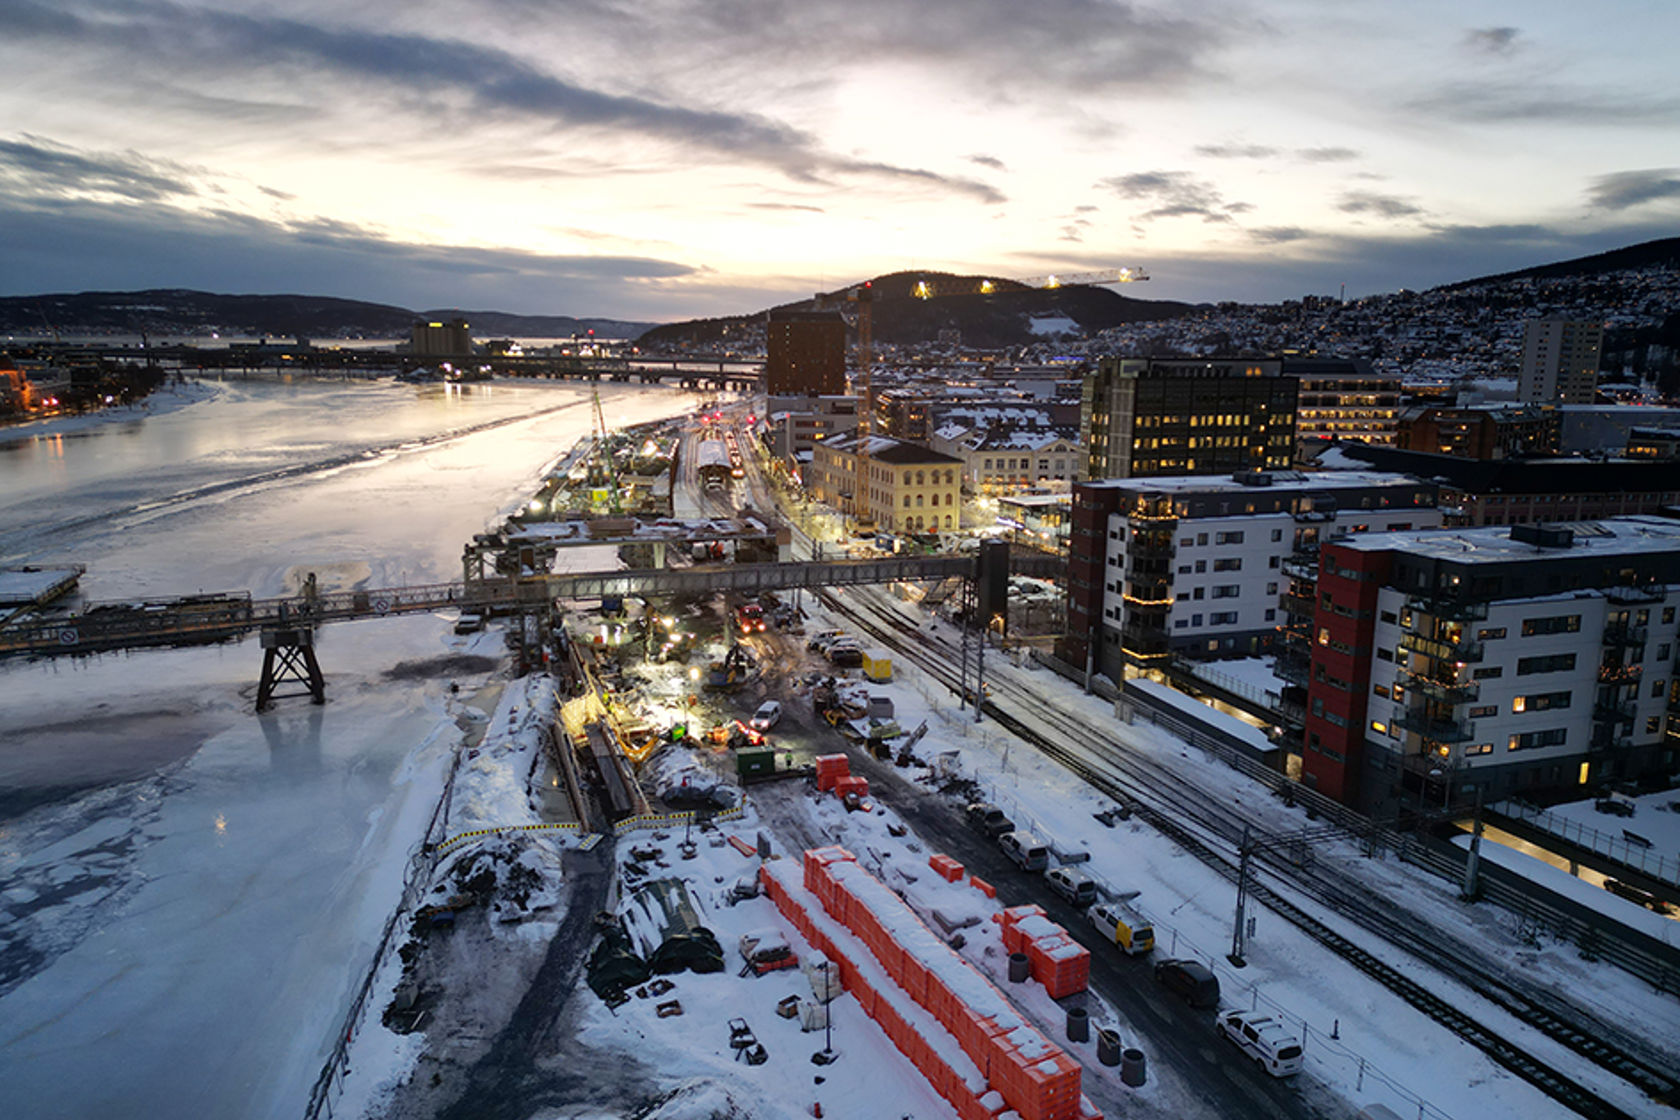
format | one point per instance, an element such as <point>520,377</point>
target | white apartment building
<point>1197,565</point>
<point>1009,462</point>
<point>1559,361</point>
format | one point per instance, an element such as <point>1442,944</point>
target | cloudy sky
<point>662,159</point>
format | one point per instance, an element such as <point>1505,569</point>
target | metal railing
<point>1630,855</point>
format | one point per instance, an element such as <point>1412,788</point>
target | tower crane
<point>604,452</point>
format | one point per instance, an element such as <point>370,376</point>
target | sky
<point>668,159</point>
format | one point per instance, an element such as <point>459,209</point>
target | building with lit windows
<point>452,339</point>
<point>1011,461</point>
<point>1559,361</point>
<point>1146,417</point>
<point>1199,567</point>
<point>1493,662</point>
<point>805,354</point>
<point>907,487</point>
<point>1344,398</point>
<point>1500,432</point>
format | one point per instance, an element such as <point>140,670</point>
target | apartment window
<point>1653,724</point>
<point>1385,655</point>
<point>1196,593</point>
<point>1272,561</point>
<point>1201,538</point>
<point>1657,688</point>
<point>1539,702</point>
<point>1490,633</point>
<point>1551,624</point>
<point>1201,566</point>
<point>1667,615</point>
<point>1551,663</point>
<point>1230,564</point>
<point>1489,673</point>
<point>1277,535</point>
<point>1380,690</point>
<point>1184,569</point>
<point>1195,620</point>
<point>1271,589</point>
<point>1529,740</point>
<point>1233,537</point>
<point>1271,615</point>
<point>1222,618</point>
<point>1484,710</point>
<point>1227,590</point>
<point>1386,616</point>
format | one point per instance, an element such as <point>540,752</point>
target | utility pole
<point>1472,863</point>
<point>962,654</point>
<point>980,667</point>
<point>1239,936</point>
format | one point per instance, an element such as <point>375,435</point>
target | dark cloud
<point>1175,194</point>
<point>1236,151</point>
<point>991,162</point>
<point>1278,235</point>
<point>1380,205</point>
<point>1492,40</point>
<point>1327,155</point>
<point>71,245</point>
<point>31,166</point>
<point>445,74</point>
<point>1622,190</point>
<point>1502,102</point>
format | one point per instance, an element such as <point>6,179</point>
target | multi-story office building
<point>1146,417</point>
<point>1493,661</point>
<point>1200,566</point>
<point>452,339</point>
<point>797,424</point>
<point>805,354</point>
<point>1501,432</point>
<point>907,488</point>
<point>1344,398</point>
<point>1519,492</point>
<point>1559,361</point>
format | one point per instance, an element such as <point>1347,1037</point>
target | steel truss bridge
<point>287,625</point>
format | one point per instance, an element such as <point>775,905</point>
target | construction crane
<point>986,287</point>
<point>603,452</point>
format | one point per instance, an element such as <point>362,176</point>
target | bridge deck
<point>207,619</point>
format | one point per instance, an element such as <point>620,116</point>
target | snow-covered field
<point>192,893</point>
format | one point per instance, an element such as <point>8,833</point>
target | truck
<point>877,666</point>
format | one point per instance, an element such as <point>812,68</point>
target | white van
<point>1124,926</point>
<point>769,714</point>
<point>1264,1039</point>
<point>1027,850</point>
<point>1072,884</point>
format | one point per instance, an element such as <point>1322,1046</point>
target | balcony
<point>1441,651</point>
<point>1623,634</point>
<point>1293,668</point>
<point>1604,738</point>
<point>1437,730</point>
<point>1606,710</point>
<point>1619,674</point>
<point>1651,594</point>
<point>1448,609</point>
<point>1441,691</point>
<point>1301,565</point>
<point>1311,515</point>
<point>1303,605</point>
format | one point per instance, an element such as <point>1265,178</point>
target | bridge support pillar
<point>289,656</point>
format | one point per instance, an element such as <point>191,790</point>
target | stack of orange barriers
<point>851,783</point>
<point>945,867</point>
<point>1057,961</point>
<point>831,768</point>
<point>951,1022</point>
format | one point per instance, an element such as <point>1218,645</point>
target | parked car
<point>845,655</point>
<point>1027,850</point>
<point>769,714</point>
<point>988,820</point>
<point>1072,884</point>
<point>1192,981</point>
<point>470,622</point>
<point>822,639</point>
<point>1264,1039</point>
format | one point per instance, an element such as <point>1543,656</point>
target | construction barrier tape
<point>458,838</point>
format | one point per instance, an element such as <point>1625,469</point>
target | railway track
<point>1161,803</point>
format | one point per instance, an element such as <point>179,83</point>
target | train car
<point>713,464</point>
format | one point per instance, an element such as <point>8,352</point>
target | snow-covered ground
<point>191,893</point>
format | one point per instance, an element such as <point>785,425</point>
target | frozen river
<point>189,893</point>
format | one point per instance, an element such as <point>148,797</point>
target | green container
<point>755,762</point>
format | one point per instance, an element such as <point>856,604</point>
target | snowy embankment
<point>169,398</point>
